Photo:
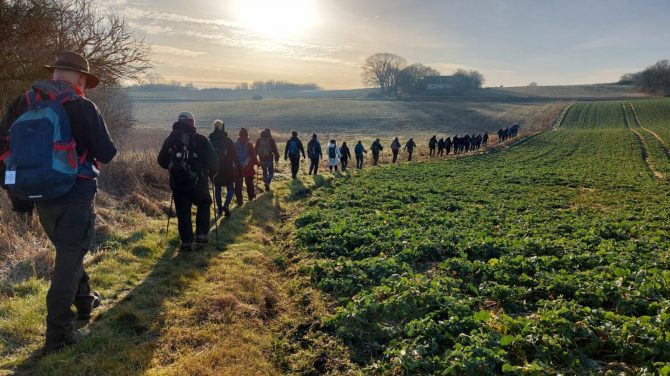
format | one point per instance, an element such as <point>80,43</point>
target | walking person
<point>395,149</point>
<point>229,167</point>
<point>190,158</point>
<point>334,156</point>
<point>440,147</point>
<point>266,148</point>
<point>66,207</point>
<point>448,144</point>
<point>345,156</point>
<point>292,151</point>
<point>432,143</point>
<point>376,148</point>
<point>314,153</point>
<point>409,147</point>
<point>359,150</point>
<point>485,138</point>
<point>248,162</point>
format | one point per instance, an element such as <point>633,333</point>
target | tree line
<point>392,74</point>
<point>655,79</point>
<point>277,85</point>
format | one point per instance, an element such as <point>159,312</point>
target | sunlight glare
<point>276,19</point>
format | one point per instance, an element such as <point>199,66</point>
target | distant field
<point>345,118</point>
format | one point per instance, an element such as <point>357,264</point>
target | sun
<point>276,19</point>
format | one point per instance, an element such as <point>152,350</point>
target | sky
<point>222,43</point>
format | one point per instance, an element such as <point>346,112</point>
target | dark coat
<point>229,163</point>
<point>301,149</point>
<point>274,153</point>
<point>206,163</point>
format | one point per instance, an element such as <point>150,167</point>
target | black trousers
<point>251,191</point>
<point>432,152</point>
<point>375,159</point>
<point>314,165</point>
<point>409,154</point>
<point>359,162</point>
<point>395,156</point>
<point>183,202</point>
<point>295,165</point>
<point>71,229</point>
<point>345,162</point>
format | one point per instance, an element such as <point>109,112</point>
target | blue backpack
<point>41,159</point>
<point>293,147</point>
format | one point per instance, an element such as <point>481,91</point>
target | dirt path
<point>636,119</point>
<point>644,148</point>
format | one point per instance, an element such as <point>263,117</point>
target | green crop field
<point>552,256</point>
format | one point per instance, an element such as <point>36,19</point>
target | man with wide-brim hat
<point>73,62</point>
<point>69,219</point>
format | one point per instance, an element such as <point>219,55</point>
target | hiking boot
<point>267,187</point>
<point>220,211</point>
<point>186,247</point>
<point>85,315</point>
<point>201,239</point>
<point>52,349</point>
<point>226,212</point>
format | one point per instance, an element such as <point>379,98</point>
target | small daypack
<point>293,147</point>
<point>41,157</point>
<point>183,173</point>
<point>243,153</point>
<point>332,152</point>
<point>264,149</point>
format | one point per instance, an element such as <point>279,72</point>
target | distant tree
<point>468,80</point>
<point>655,79</point>
<point>382,70</point>
<point>412,75</point>
<point>532,84</point>
<point>243,86</point>
<point>629,79</point>
<point>275,85</point>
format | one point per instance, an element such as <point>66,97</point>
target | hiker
<point>447,145</point>
<point>345,156</point>
<point>431,145</point>
<point>485,138</point>
<point>66,207</point>
<point>229,166</point>
<point>395,149</point>
<point>248,162</point>
<point>314,153</point>
<point>266,148</point>
<point>292,151</point>
<point>500,135</point>
<point>409,147</point>
<point>376,148</point>
<point>466,142</point>
<point>456,141</point>
<point>359,150</point>
<point>190,158</point>
<point>440,147</point>
<point>333,155</point>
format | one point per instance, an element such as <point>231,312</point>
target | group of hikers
<point>54,139</point>
<point>508,132</point>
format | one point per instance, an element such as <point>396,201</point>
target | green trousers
<point>71,228</point>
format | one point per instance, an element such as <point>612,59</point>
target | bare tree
<point>36,30</point>
<point>411,76</point>
<point>467,80</point>
<point>382,70</point>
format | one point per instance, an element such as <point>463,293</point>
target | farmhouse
<point>439,83</point>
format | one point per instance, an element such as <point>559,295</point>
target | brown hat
<point>69,60</point>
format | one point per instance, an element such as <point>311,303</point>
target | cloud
<point>228,33</point>
<point>167,50</point>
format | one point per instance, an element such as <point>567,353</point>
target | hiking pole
<point>216,216</point>
<point>169,214</point>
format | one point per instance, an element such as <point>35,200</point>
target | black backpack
<point>183,173</point>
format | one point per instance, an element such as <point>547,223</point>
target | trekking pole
<point>216,217</point>
<point>169,214</point>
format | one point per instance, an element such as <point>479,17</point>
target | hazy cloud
<point>167,50</point>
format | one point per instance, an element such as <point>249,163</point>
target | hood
<point>181,127</point>
<point>56,87</point>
